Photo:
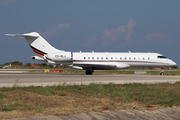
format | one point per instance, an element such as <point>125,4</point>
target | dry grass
<point>32,101</point>
<point>33,104</point>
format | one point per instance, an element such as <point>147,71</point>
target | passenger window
<point>106,58</point>
<point>84,57</point>
<point>129,58</point>
<point>125,58</point>
<point>92,57</point>
<point>148,58</point>
<point>134,58</point>
<point>116,58</point>
<point>120,58</point>
<point>88,57</point>
<point>97,57</point>
<point>111,58</point>
<point>101,57</point>
<point>143,58</point>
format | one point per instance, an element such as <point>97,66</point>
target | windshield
<point>161,57</point>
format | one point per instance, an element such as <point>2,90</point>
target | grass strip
<point>62,99</point>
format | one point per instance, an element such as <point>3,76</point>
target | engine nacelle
<point>38,58</point>
<point>60,56</point>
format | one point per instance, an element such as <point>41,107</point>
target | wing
<point>102,65</point>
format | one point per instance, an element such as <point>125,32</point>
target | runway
<point>29,79</point>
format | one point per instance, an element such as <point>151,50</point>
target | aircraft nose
<point>172,63</point>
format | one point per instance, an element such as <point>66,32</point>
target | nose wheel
<point>89,72</point>
<point>162,72</point>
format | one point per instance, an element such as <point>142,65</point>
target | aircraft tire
<point>89,72</point>
<point>161,73</point>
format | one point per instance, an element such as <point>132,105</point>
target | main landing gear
<point>89,72</point>
<point>162,72</point>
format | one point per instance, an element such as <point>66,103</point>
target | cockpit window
<point>161,57</point>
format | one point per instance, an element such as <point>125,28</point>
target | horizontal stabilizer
<point>33,34</point>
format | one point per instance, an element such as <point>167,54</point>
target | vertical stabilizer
<point>38,44</point>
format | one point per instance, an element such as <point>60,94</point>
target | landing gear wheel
<point>89,72</point>
<point>161,73</point>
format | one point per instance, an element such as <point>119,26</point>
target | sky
<point>98,25</point>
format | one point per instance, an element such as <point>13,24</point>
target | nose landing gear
<point>162,72</point>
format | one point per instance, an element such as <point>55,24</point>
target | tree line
<point>27,64</point>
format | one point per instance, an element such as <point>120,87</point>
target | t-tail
<point>43,50</point>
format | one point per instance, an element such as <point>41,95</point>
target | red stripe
<point>38,52</point>
<point>48,59</point>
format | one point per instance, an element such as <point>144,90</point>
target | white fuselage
<point>91,60</point>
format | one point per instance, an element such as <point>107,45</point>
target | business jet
<point>91,61</point>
